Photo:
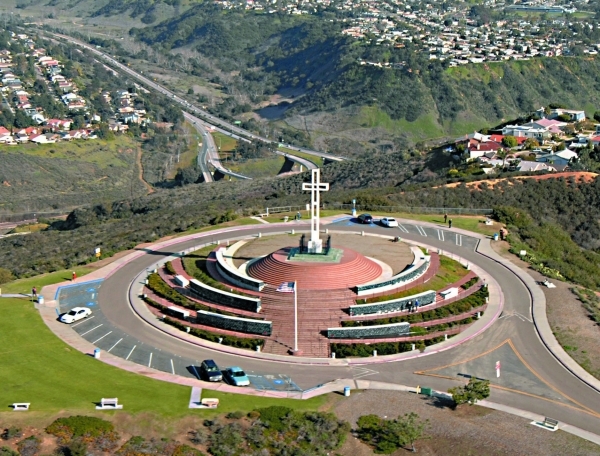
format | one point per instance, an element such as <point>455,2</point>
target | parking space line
<point>402,228</point>
<point>172,368</point>
<point>421,230</point>
<point>116,343</point>
<point>91,329</point>
<point>130,352</point>
<point>84,320</point>
<point>459,239</point>
<point>98,340</point>
<point>440,235</point>
<point>150,361</point>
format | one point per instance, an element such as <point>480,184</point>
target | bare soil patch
<point>468,430</point>
<point>579,177</point>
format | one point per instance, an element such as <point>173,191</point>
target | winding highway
<point>187,106</point>
<point>532,378</point>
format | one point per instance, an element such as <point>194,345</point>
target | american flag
<point>286,287</point>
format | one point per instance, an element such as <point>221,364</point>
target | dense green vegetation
<point>475,390</point>
<point>387,435</point>
<point>275,430</point>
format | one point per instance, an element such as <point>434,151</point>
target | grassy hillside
<point>68,174</point>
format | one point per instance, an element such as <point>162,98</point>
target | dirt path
<point>138,160</point>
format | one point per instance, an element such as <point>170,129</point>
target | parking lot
<point>98,330</point>
<point>442,233</point>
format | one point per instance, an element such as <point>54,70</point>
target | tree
<point>502,154</point>
<point>5,276</point>
<point>597,116</point>
<point>509,141</point>
<point>530,143</point>
<point>389,435</point>
<point>472,392</point>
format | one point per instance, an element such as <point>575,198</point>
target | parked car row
<point>390,222</point>
<point>234,375</point>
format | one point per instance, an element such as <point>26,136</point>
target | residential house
<point>527,131</point>
<point>529,166</point>
<point>575,116</point>
<point>558,159</point>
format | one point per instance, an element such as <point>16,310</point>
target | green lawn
<point>40,281</point>
<point>258,167</point>
<point>38,367</point>
<point>223,142</point>
<point>313,158</point>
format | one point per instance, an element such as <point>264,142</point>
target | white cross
<point>315,245</point>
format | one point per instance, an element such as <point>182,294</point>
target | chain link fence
<point>394,209</point>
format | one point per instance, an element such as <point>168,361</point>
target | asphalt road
<point>531,379</point>
<point>186,104</point>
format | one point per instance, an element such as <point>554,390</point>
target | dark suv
<point>210,371</point>
<point>365,218</point>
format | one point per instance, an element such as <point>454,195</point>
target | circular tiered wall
<point>352,269</point>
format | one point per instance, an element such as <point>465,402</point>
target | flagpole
<point>295,317</point>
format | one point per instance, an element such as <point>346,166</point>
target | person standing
<point>74,275</point>
<point>445,218</point>
<point>449,223</point>
<point>34,292</point>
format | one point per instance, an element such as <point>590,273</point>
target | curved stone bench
<point>369,332</point>
<point>224,297</point>
<point>234,276</point>
<point>413,272</point>
<point>238,324</point>
<point>393,305</point>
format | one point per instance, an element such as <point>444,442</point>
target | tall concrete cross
<point>315,245</point>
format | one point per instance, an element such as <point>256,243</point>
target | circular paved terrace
<point>346,269</point>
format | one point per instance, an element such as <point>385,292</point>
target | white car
<point>389,222</point>
<point>76,313</point>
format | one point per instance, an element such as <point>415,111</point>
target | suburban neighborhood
<point>551,141</point>
<point>458,33</point>
<point>25,93</point>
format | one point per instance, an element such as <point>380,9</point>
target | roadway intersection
<point>531,378</point>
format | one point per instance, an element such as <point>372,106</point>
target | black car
<point>365,218</point>
<point>210,371</point>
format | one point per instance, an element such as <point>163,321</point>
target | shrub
<point>169,268</point>
<point>79,426</point>
<point>29,447</point>
<point>12,433</point>
<point>94,431</point>
<point>472,392</point>
<point>274,416</point>
<point>232,341</point>
<point>235,415</point>
<point>5,276</point>
<point>469,283</point>
<point>5,451</point>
